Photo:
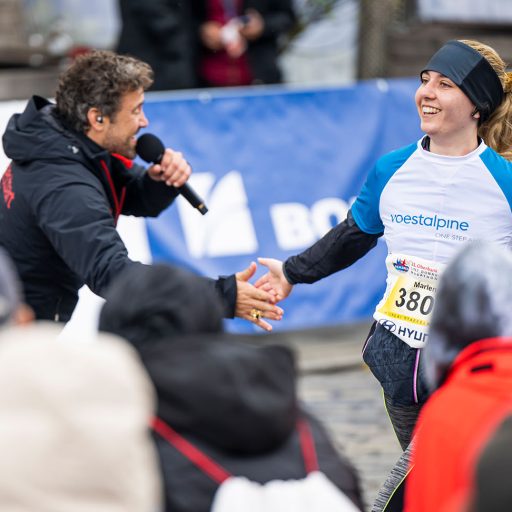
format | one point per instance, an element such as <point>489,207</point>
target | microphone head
<point>150,148</point>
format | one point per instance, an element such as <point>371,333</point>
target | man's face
<point>120,133</point>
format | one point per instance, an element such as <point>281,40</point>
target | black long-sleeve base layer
<point>342,246</point>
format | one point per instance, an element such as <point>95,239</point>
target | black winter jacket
<point>236,402</point>
<point>62,195</point>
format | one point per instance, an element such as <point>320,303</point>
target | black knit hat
<point>152,302</point>
<point>470,71</point>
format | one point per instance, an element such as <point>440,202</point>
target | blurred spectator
<point>160,33</point>
<point>233,400</point>
<point>240,40</point>
<point>12,308</point>
<point>74,425</point>
<point>10,289</point>
<point>469,360</point>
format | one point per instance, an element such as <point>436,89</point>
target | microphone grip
<point>188,193</point>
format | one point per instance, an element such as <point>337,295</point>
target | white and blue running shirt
<point>428,206</point>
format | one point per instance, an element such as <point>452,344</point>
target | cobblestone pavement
<point>341,391</point>
<point>349,402</point>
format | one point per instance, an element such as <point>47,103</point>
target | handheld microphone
<point>151,149</point>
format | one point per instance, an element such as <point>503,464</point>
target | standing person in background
<point>427,200</point>
<point>72,175</point>
<point>239,40</point>
<point>160,33</point>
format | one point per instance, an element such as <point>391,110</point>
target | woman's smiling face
<point>443,108</point>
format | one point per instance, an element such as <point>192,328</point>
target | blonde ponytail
<point>497,130</point>
<point>507,82</point>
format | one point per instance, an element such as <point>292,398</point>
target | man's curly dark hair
<point>98,79</point>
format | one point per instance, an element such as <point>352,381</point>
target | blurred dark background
<point>334,42</point>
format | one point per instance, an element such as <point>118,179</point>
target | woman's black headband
<point>469,70</point>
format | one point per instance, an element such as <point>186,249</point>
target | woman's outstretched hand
<point>274,281</point>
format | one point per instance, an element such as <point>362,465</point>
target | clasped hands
<point>257,302</point>
<point>234,36</point>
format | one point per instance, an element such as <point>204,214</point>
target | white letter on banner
<point>323,211</point>
<point>292,225</point>
<point>227,229</point>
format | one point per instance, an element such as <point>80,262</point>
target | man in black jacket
<point>71,177</point>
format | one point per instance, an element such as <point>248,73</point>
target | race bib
<point>407,305</point>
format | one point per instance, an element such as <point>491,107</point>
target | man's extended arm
<point>76,219</point>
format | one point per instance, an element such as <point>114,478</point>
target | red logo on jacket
<point>7,187</point>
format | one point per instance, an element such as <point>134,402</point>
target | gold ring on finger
<point>256,313</point>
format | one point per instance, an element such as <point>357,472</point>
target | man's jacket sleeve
<point>75,216</point>
<point>226,288</point>
<point>146,197</point>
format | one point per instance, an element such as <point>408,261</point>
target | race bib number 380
<point>410,296</point>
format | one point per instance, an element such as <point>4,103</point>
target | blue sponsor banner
<point>277,168</point>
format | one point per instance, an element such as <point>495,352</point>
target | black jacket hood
<point>38,134</point>
<point>237,396</point>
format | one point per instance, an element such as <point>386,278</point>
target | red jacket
<point>454,423</point>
